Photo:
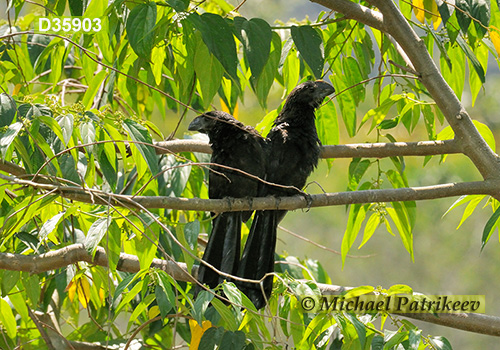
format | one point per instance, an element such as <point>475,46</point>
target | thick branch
<point>393,23</point>
<point>358,12</point>
<point>488,187</point>
<point>357,150</point>
<point>72,254</point>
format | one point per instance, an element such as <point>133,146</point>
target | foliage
<point>77,110</point>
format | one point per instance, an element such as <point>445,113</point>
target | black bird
<point>236,146</point>
<point>292,154</point>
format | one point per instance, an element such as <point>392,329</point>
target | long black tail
<point>258,256</point>
<point>223,249</point>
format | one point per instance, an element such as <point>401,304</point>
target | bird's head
<point>311,93</point>
<point>206,122</point>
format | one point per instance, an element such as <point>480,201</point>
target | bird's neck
<point>296,115</point>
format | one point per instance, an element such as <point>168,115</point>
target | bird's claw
<point>308,199</point>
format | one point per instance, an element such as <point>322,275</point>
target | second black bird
<point>292,154</point>
<point>234,146</point>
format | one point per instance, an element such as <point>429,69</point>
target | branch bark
<point>356,150</point>
<point>74,253</point>
<point>487,187</point>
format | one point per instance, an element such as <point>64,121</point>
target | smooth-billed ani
<point>292,154</point>
<point>236,146</point>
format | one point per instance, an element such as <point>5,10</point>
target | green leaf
<point>358,291</point>
<point>66,124</point>
<point>445,10</point>
<point>94,85</point>
<point>360,328</point>
<point>486,133</point>
<point>353,76</point>
<point>144,246</point>
<point>472,59</point>
<point>402,223</point>
<point>481,12</point>
<point>429,121</point>
<point>49,226</point>
<point>32,287</point>
<point>347,106</point>
<point>399,289</point>
<point>7,109</point>
<point>165,282</point>
<point>96,232</point>
<point>76,7</point>
<point>201,303</point>
<point>266,123</point>
<point>235,296</point>
<point>7,139</point>
<point>452,28</point>
<point>226,314</point>
<point>255,35</point>
<point>232,341</point>
<point>141,135</point>
<point>178,5</point>
<point>113,245</point>
<point>140,25</point>
<point>377,342</point>
<point>107,166</point>
<point>392,339</point>
<point>414,338</point>
<point>440,343</point>
<point>263,84</point>
<point>162,301</point>
<point>8,281</point>
<point>456,75</point>
<point>464,14</point>
<point>7,319</point>
<point>57,62</point>
<point>191,232</point>
<point>379,113</point>
<point>32,111</point>
<point>310,46</point>
<point>357,168</point>
<point>218,37</point>
<point>87,134</point>
<point>327,126</point>
<point>490,227</point>
<point>211,337</point>
<point>357,214</point>
<point>209,71</point>
<point>370,227</point>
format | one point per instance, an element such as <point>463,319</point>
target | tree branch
<point>93,196</point>
<point>392,22</point>
<point>356,150</point>
<point>352,10</point>
<point>74,253</point>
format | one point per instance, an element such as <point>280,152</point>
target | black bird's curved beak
<point>323,89</point>
<point>198,124</point>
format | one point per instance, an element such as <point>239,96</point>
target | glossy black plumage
<point>292,154</point>
<point>236,146</point>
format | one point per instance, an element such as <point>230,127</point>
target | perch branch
<point>93,196</point>
<point>357,150</point>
